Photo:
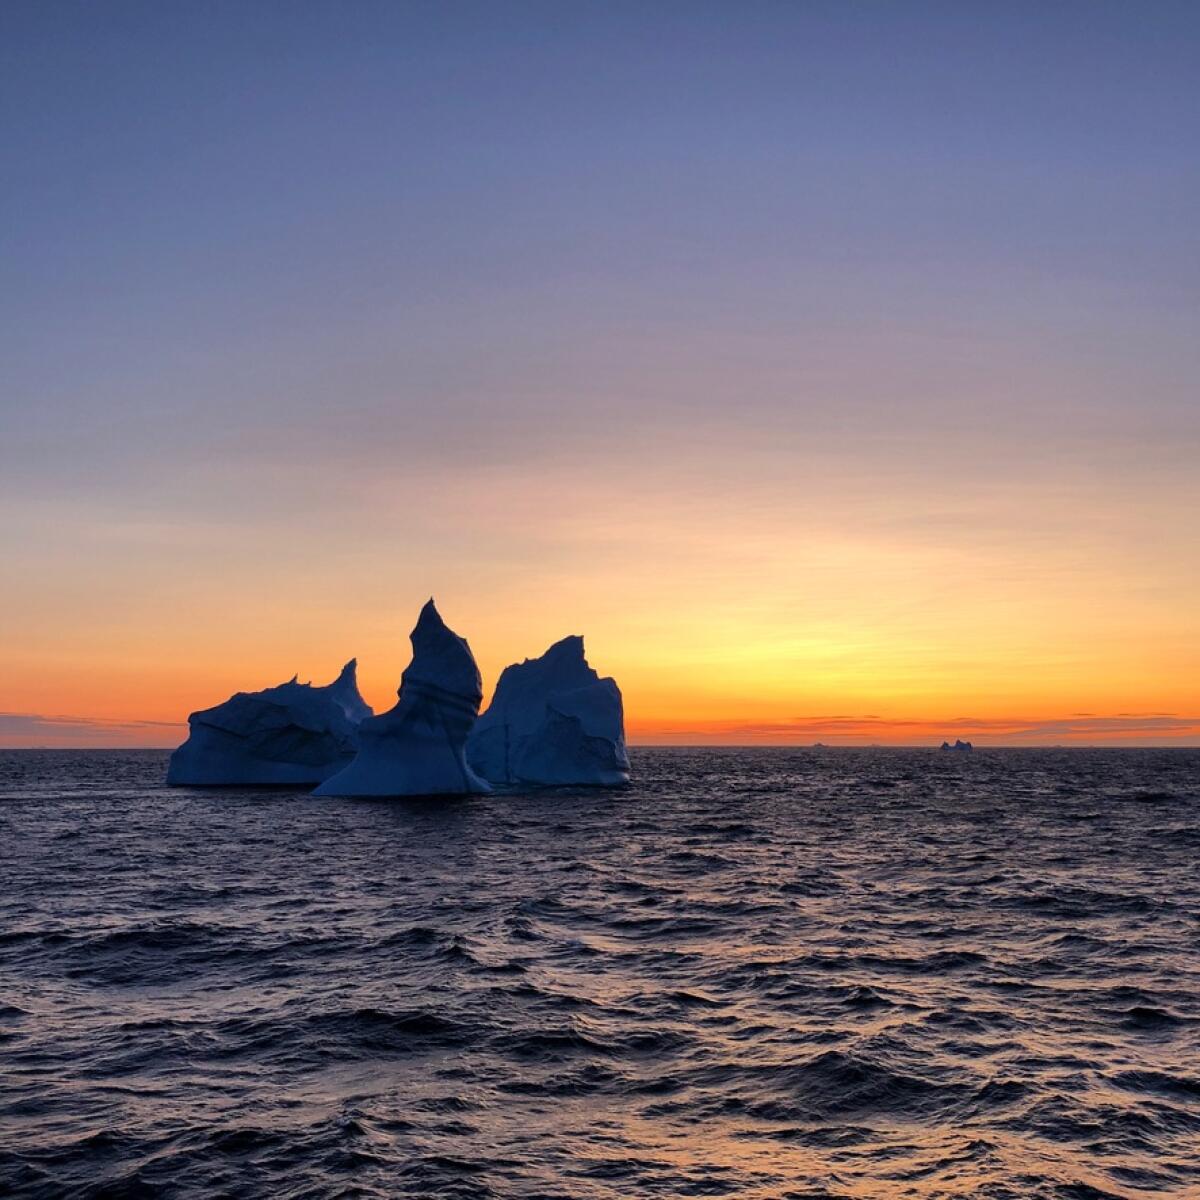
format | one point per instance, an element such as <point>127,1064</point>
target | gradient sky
<point>832,367</point>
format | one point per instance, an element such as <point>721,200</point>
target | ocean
<point>754,973</point>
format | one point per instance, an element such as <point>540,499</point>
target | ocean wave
<point>757,974</point>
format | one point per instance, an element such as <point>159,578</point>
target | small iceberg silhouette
<point>959,746</point>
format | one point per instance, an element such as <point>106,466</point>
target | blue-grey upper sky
<point>226,212</point>
<point>271,267</point>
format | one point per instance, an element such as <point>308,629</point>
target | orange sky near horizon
<point>730,603</point>
<point>833,372</point>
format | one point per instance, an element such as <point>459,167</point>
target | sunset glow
<point>811,440</point>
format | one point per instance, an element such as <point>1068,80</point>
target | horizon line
<point>1109,745</point>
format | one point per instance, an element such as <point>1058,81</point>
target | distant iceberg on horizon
<point>418,748</point>
<point>294,733</point>
<point>959,746</point>
<point>553,721</point>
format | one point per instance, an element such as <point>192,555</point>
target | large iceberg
<point>291,734</point>
<point>552,721</point>
<point>419,747</point>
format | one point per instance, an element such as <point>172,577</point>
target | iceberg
<point>418,748</point>
<point>552,721</point>
<point>959,746</point>
<point>291,734</point>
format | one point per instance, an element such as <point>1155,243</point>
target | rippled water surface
<point>755,973</point>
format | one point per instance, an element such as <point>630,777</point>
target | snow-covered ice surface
<point>293,734</point>
<point>418,748</point>
<point>552,721</point>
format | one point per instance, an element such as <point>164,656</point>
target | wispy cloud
<point>1078,728</point>
<point>40,729</point>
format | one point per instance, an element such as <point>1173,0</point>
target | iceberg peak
<point>553,720</point>
<point>570,646</point>
<point>418,748</point>
<point>441,656</point>
<point>344,689</point>
<point>566,650</point>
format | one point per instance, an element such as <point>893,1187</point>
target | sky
<point>832,367</point>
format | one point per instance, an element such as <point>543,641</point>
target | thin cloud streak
<point>19,730</point>
<point>31,730</point>
<point>1081,730</point>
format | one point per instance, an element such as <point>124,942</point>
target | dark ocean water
<point>755,973</point>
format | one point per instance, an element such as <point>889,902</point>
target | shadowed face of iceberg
<point>442,662</point>
<point>418,748</point>
<point>291,734</point>
<point>553,721</point>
